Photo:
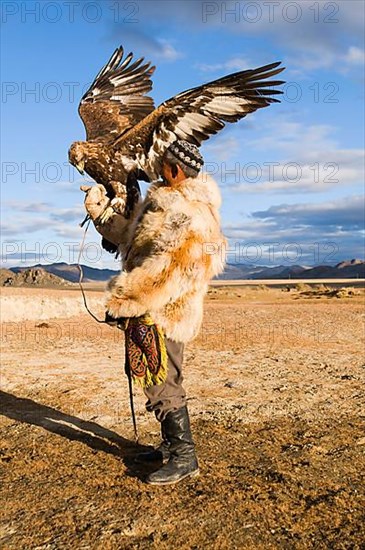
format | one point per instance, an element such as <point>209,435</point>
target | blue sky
<point>291,175</point>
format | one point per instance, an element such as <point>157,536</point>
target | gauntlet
<point>107,217</point>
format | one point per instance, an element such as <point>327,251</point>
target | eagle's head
<point>77,155</point>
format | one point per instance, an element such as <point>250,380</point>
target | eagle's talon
<point>106,215</point>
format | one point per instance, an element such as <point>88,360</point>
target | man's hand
<point>118,304</point>
<point>121,322</point>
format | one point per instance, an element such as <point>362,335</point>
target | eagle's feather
<point>198,113</point>
<point>116,99</point>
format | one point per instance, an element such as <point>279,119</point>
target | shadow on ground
<point>71,427</point>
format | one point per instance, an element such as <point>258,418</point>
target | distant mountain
<point>70,272</point>
<point>239,271</point>
<point>353,269</point>
<point>281,272</point>
<point>30,276</point>
<point>346,270</point>
<point>341,265</point>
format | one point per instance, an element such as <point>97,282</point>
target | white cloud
<point>62,222</point>
<point>234,64</point>
<point>168,51</point>
<point>161,48</point>
<point>308,159</point>
<point>330,59</point>
<point>312,33</point>
<point>68,232</point>
<point>21,225</point>
<point>355,56</point>
<point>294,138</point>
<point>345,213</point>
<point>22,206</point>
<point>222,148</point>
<point>68,214</point>
<point>309,232</point>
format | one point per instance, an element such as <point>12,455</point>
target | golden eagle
<point>127,136</point>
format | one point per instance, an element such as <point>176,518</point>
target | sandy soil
<point>277,401</point>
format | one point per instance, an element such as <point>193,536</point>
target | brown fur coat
<point>171,249</point>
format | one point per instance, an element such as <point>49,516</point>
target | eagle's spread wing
<point>198,113</point>
<point>116,100</point>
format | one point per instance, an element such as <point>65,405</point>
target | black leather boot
<point>161,453</point>
<point>182,462</point>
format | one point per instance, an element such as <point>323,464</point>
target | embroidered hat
<point>186,153</point>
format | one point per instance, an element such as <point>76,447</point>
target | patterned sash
<point>146,355</point>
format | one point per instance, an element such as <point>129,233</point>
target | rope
<point>82,273</point>
<point>87,220</point>
<point>130,387</point>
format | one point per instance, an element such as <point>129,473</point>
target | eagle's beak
<point>80,167</point>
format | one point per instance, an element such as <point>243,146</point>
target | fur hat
<point>186,154</point>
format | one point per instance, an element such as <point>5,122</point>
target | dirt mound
<point>347,263</point>
<point>31,277</point>
<point>6,275</point>
<point>323,291</point>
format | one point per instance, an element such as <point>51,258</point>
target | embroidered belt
<point>146,355</point>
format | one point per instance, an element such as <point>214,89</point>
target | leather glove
<point>120,323</point>
<point>111,224</point>
<point>96,200</point>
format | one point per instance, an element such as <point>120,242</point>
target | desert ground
<point>277,399</point>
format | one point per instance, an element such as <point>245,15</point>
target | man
<point>171,247</point>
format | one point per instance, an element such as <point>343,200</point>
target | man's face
<point>168,176</point>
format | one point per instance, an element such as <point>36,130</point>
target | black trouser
<point>169,396</point>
